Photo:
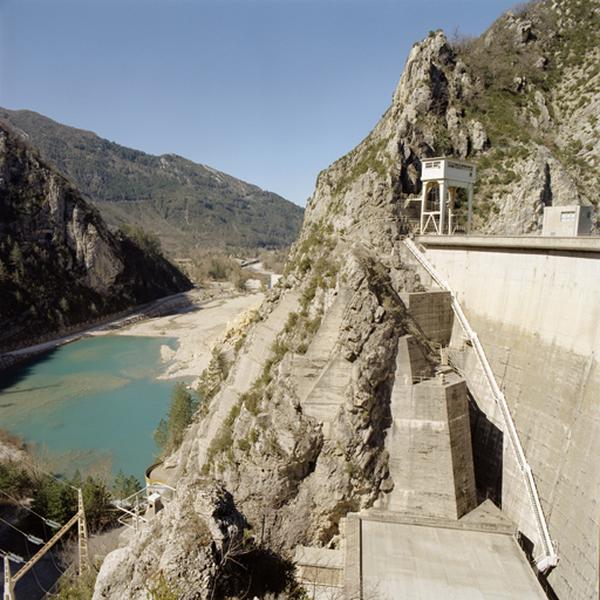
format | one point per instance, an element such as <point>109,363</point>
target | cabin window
<point>567,216</point>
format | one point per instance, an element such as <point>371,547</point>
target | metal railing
<point>550,557</point>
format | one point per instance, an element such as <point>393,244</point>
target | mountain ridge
<point>59,264</point>
<point>188,205</point>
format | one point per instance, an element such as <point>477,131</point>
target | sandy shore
<point>196,328</point>
<point>196,319</point>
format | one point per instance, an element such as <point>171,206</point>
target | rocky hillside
<point>186,204</point>
<point>295,426</point>
<point>59,264</point>
<point>522,101</point>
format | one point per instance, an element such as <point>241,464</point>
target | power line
<point>58,479</point>
<point>52,524</point>
<point>44,590</point>
<point>32,538</point>
<point>47,524</point>
<point>12,556</point>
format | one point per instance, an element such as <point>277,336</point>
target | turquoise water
<point>92,404</point>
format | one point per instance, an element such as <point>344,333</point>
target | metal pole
<point>423,201</point>
<point>8,584</point>
<point>443,195</point>
<point>470,209</point>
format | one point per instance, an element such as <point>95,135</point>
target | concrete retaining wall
<point>536,307</point>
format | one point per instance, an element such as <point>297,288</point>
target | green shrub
<point>74,587</point>
<point>169,433</point>
<point>223,441</point>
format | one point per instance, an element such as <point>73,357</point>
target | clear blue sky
<point>271,91</point>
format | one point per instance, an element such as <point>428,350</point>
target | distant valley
<point>189,206</point>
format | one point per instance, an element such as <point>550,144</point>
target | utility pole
<point>8,584</point>
<point>11,581</point>
<point>84,559</point>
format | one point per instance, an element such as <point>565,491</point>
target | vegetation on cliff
<point>169,433</point>
<point>521,101</point>
<point>59,264</point>
<point>57,500</point>
<point>535,76</point>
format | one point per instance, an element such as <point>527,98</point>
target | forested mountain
<point>59,263</point>
<point>186,204</point>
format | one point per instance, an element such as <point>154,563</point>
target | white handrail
<point>550,558</point>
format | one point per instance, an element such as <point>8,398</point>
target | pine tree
<point>97,502</point>
<point>180,414</point>
<point>124,485</point>
<point>161,436</point>
<point>16,258</point>
<point>169,434</point>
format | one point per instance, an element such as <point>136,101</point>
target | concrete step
<point>432,311</point>
<point>326,337</point>
<point>246,370</point>
<point>330,390</point>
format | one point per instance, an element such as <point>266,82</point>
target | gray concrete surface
<point>429,444</point>
<point>520,242</point>
<point>432,311</point>
<point>432,563</point>
<point>322,376</point>
<point>246,370</point>
<point>538,318</point>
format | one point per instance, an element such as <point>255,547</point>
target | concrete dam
<point>479,396</point>
<point>534,302</point>
<point>481,489</point>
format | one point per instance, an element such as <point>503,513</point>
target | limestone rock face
<point>362,194</point>
<point>94,252</point>
<point>61,211</point>
<point>59,263</point>
<point>185,543</point>
<point>521,102</point>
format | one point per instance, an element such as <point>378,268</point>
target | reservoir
<point>91,405</point>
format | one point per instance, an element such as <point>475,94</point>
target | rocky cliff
<point>295,428</point>
<point>521,101</point>
<point>59,264</point>
<point>186,204</point>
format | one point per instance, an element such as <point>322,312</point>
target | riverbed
<point>93,404</point>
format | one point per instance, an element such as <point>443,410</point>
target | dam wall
<point>535,305</point>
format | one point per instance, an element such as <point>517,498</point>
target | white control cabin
<point>441,178</point>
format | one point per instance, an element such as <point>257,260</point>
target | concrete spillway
<point>430,534</point>
<point>429,443</point>
<point>534,303</point>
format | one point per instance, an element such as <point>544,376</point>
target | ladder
<point>549,557</point>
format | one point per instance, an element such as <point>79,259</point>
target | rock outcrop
<point>521,102</point>
<point>59,263</point>
<point>199,535</point>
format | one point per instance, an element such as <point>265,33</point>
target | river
<point>91,405</point>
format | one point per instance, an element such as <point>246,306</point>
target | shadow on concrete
<point>528,548</point>
<point>487,442</point>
